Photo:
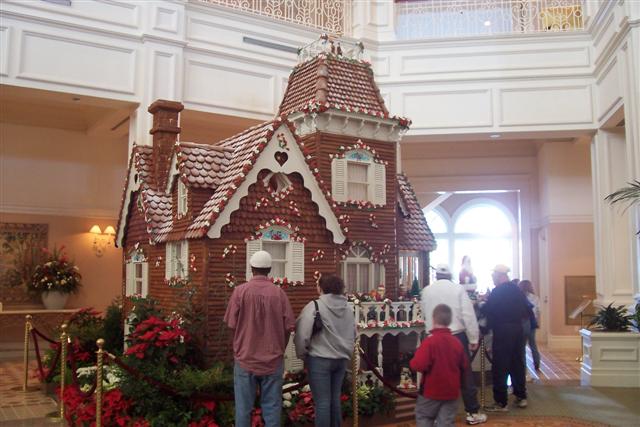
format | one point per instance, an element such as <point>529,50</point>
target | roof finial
<point>331,46</point>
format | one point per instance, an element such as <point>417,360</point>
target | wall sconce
<point>102,239</point>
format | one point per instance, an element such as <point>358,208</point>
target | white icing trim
<point>295,164</point>
<point>173,171</point>
<point>356,125</point>
<point>132,186</point>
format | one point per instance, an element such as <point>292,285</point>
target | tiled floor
<point>559,366</point>
<point>18,407</point>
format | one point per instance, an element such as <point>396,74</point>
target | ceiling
<point>34,107</point>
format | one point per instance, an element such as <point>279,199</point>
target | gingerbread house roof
<point>244,148</point>
<point>201,165</point>
<point>414,233</point>
<point>333,81</point>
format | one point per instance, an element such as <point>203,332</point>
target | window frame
<point>358,259</point>
<point>177,261</point>
<point>294,252</point>
<point>183,198</point>
<point>136,259</point>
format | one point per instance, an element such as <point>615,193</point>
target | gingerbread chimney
<point>165,132</point>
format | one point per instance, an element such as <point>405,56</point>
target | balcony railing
<point>465,18</point>
<point>330,16</point>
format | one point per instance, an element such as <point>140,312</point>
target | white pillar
<point>380,353</point>
<point>615,228</point>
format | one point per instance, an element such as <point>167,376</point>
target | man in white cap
<point>464,326</point>
<point>505,310</point>
<point>260,315</point>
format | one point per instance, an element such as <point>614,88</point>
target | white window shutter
<point>184,258</point>
<point>130,280</point>
<point>168,260</point>
<point>253,246</point>
<point>296,259</point>
<point>291,361</point>
<point>339,180</point>
<point>145,279</point>
<point>379,184</point>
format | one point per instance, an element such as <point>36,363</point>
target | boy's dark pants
<point>429,412</point>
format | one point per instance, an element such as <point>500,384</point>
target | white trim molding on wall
<point>69,211</point>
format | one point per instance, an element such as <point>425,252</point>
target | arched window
<point>482,229</point>
<point>359,273</point>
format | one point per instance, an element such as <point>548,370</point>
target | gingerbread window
<point>356,176</point>
<point>137,274</point>
<point>359,273</point>
<point>287,253</point>
<point>177,259</point>
<point>183,206</point>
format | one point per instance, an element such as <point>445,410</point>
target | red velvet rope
<point>386,382</point>
<point>34,334</point>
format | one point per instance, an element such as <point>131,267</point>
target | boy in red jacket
<point>441,360</point>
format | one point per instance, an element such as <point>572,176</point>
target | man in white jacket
<point>464,326</point>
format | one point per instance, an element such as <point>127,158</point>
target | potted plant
<point>55,279</point>
<point>610,349</point>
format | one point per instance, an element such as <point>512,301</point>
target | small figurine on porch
<point>406,381</point>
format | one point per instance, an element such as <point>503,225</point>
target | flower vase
<point>53,300</point>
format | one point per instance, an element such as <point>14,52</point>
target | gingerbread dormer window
<point>276,183</point>
<point>183,206</point>
<point>358,176</point>
<point>137,273</point>
<point>286,250</point>
<point>177,260</point>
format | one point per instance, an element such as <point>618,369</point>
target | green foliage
<point>636,316</point>
<point>143,308</point>
<point>372,399</point>
<point>113,330</point>
<point>629,195</point>
<point>216,381</point>
<point>415,288</point>
<point>612,319</point>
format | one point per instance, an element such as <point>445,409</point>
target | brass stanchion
<point>355,367</point>
<point>483,379</point>
<point>58,416</point>
<point>25,357</point>
<point>100,361</point>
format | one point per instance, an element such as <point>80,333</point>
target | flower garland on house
<point>380,257</point>
<point>358,146</point>
<point>284,283</point>
<point>293,207</point>
<point>230,280</point>
<point>372,221</point>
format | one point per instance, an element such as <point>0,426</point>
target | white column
<point>615,239</point>
<point>373,20</point>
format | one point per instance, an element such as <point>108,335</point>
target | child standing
<point>441,361</point>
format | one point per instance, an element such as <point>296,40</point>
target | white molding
<point>70,211</point>
<point>173,14</point>
<point>295,164</point>
<point>500,55</point>
<point>128,88</point>
<point>557,121</point>
<point>567,219</point>
<point>131,187</point>
<point>209,101</point>
<point>5,52</point>
<point>356,125</point>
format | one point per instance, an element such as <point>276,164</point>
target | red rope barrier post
<point>100,361</point>
<point>355,367</point>
<point>58,416</point>
<point>482,376</point>
<point>27,331</point>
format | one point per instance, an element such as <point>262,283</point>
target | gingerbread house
<point>318,187</point>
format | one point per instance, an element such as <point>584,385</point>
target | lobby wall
<point>70,181</point>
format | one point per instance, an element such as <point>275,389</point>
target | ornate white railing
<point>331,16</point>
<point>464,18</point>
<point>387,315</point>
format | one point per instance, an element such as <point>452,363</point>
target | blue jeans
<point>325,379</point>
<point>244,386</point>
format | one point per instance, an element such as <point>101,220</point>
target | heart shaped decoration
<point>281,157</point>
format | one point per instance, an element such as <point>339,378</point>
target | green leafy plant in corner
<point>627,195</point>
<point>612,319</point>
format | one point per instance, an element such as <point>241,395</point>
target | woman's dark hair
<point>331,284</point>
<point>526,286</point>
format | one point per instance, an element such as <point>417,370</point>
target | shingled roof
<point>414,233</point>
<point>202,165</point>
<point>244,148</point>
<point>333,81</point>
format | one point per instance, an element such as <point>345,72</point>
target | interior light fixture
<point>487,23</point>
<point>102,239</point>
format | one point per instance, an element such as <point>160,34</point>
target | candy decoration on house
<point>307,186</point>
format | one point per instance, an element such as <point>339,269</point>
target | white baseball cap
<point>501,268</point>
<point>442,269</point>
<point>260,259</point>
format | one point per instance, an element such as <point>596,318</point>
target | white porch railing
<point>330,16</point>
<point>464,18</point>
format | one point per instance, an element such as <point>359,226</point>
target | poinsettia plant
<point>57,274</point>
